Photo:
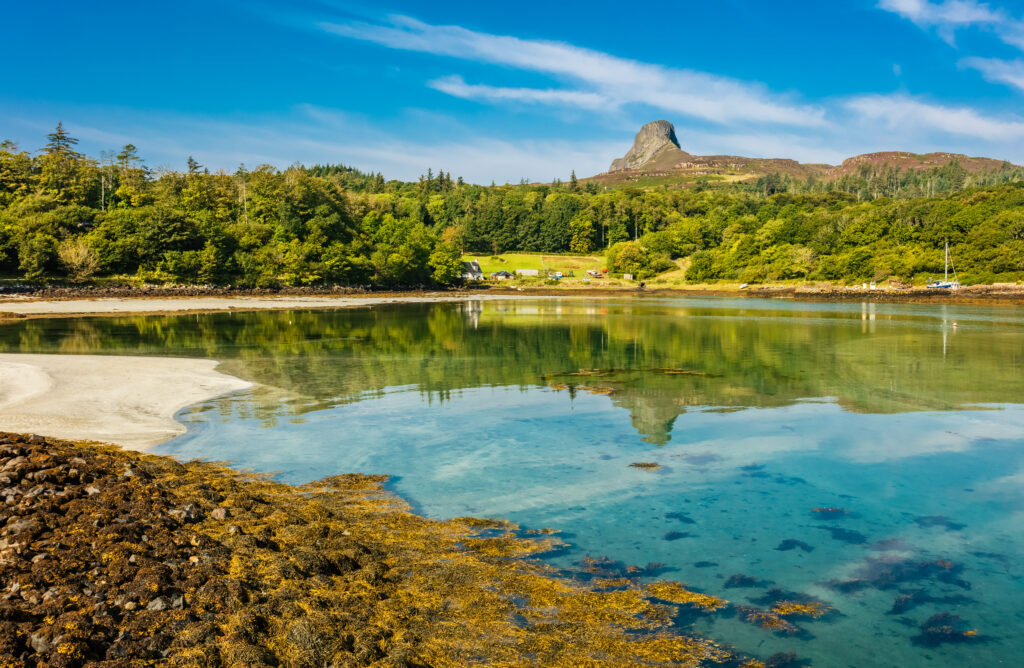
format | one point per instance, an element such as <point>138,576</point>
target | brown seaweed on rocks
<point>939,521</point>
<point>737,580</point>
<point>887,572</point>
<point>119,558</point>
<point>830,513</point>
<point>792,544</point>
<point>910,600</point>
<point>846,535</point>
<point>945,628</point>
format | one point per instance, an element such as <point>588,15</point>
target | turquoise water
<point>757,412</point>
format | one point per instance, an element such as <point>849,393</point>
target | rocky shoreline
<point>998,293</point>
<point>112,557</point>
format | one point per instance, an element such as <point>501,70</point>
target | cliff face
<point>653,139</point>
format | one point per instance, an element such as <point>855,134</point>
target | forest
<point>70,217</point>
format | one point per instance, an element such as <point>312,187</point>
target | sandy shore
<point>130,401</point>
<point>127,305</point>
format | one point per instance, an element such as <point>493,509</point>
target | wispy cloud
<point>951,15</point>
<point>600,79</point>
<point>901,112</point>
<point>1010,72</point>
<point>455,86</point>
<point>947,13</point>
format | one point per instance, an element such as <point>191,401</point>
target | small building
<point>503,275</point>
<point>528,272</point>
<point>471,271</point>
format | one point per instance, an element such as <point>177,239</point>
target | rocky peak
<point>652,139</point>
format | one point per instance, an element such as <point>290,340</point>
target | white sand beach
<point>129,401</point>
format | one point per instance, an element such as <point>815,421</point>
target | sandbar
<point>128,401</point>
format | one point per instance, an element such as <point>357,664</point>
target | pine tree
<point>60,143</point>
<point>63,171</point>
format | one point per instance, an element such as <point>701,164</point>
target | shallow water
<point>757,412</point>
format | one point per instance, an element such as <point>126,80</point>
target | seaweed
<point>887,572</point>
<point>740,580</point>
<point>248,571</point>
<point>830,513</point>
<point>650,466</point>
<point>846,535</point>
<point>676,535</point>
<point>785,660</point>
<point>910,600</point>
<point>792,544</point>
<point>850,586</point>
<point>945,628</point>
<point>705,564</point>
<point>682,517</point>
<point>939,521</point>
<point>768,620</point>
<point>674,592</point>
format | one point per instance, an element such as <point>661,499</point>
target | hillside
<point>657,158</point>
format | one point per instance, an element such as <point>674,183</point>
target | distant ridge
<point>657,153</point>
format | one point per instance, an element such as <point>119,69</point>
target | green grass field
<point>579,264</point>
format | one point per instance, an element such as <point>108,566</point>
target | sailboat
<point>945,283</point>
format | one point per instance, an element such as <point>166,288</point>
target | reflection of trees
<point>656,360</point>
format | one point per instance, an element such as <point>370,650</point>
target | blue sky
<point>503,92</point>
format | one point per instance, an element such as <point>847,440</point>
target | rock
<point>130,605</point>
<point>36,439</point>
<point>187,513</point>
<point>17,525</point>
<point>157,604</point>
<point>219,514</point>
<point>92,489</point>
<point>38,643</point>
<point>652,139</point>
<point>17,461</point>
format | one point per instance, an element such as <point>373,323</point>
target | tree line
<point>64,214</point>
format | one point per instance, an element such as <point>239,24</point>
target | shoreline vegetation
<point>66,216</point>
<point>111,556</point>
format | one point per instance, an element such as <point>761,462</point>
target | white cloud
<point>457,87</point>
<point>949,15</point>
<point>619,81</point>
<point>949,12</point>
<point>901,112</point>
<point>1009,72</point>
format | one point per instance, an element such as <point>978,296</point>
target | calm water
<point>756,411</point>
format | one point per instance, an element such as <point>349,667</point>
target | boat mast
<point>945,271</point>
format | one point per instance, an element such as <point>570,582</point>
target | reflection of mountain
<point>655,358</point>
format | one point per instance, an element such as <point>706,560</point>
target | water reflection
<point>654,358</point>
